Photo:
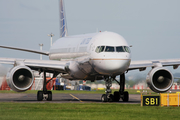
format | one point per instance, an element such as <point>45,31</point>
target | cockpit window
<point>97,49</point>
<point>127,49</point>
<point>101,49</point>
<point>112,49</point>
<point>120,49</point>
<point>109,49</point>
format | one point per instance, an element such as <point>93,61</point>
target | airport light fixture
<point>51,35</point>
<point>41,45</point>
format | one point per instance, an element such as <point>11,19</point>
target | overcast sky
<point>151,26</point>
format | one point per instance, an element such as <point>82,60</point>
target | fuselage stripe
<point>108,59</point>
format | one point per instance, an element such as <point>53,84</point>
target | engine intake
<point>20,78</point>
<point>159,79</point>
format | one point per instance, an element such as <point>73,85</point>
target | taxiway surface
<point>63,98</point>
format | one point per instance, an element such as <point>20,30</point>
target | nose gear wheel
<point>108,97</point>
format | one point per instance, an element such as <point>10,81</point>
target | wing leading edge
<point>24,49</point>
<point>142,65</point>
<point>47,65</point>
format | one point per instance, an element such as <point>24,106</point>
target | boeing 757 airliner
<point>96,56</point>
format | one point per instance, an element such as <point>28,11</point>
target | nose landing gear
<point>121,94</point>
<point>108,97</point>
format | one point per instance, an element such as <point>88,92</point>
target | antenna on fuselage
<point>63,23</point>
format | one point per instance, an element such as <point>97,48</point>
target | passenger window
<point>109,49</point>
<point>101,49</point>
<point>120,49</point>
<point>97,49</point>
<point>127,49</point>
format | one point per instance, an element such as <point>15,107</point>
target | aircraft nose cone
<point>111,66</point>
<point>114,66</point>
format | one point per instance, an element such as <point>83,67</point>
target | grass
<point>131,91</point>
<point>84,111</point>
<point>88,111</point>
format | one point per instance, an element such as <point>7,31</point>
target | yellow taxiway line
<point>75,97</point>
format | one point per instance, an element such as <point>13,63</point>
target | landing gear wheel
<point>126,96</point>
<point>49,96</point>
<point>40,95</point>
<point>104,98</point>
<point>45,94</point>
<point>116,96</point>
<point>111,98</point>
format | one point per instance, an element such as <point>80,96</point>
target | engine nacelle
<point>159,79</point>
<point>20,78</point>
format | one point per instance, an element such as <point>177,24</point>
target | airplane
<point>94,56</point>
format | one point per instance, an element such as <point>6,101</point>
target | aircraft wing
<point>48,65</point>
<point>142,65</point>
<point>24,49</point>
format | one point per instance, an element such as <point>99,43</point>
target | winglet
<point>63,23</point>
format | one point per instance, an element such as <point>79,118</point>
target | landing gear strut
<point>44,94</point>
<point>108,97</point>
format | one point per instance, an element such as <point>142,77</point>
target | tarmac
<point>63,98</point>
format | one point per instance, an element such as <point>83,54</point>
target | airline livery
<point>96,56</point>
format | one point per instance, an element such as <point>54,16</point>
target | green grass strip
<point>87,111</point>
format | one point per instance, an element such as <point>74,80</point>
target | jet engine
<point>159,79</point>
<point>20,78</point>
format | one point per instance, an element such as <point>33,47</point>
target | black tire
<point>126,96</point>
<point>111,98</point>
<point>104,98</point>
<point>116,96</point>
<point>49,96</point>
<point>40,95</point>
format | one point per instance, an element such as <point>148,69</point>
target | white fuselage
<point>103,53</point>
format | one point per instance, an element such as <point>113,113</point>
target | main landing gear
<point>44,94</point>
<point>108,97</point>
